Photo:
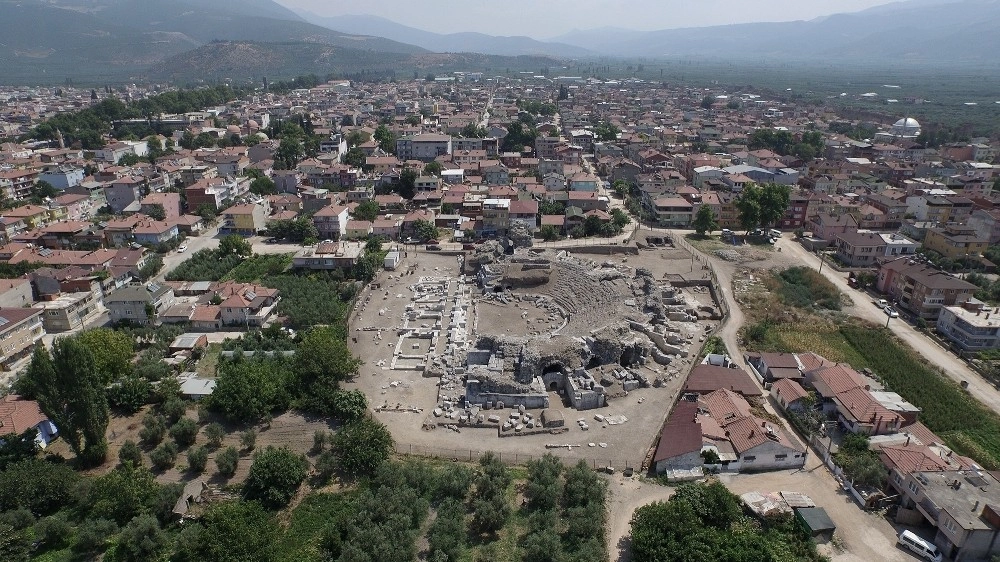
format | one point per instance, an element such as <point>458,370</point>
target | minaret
<point>59,137</point>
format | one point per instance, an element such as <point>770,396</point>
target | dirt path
<point>625,495</point>
<point>863,536</point>
<point>951,365</point>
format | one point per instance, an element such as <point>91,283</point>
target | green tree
<point>543,489</point>
<point>112,350</point>
<point>619,220</point>
<point>707,102</point>
<point>356,137</point>
<point>129,159</point>
<point>142,540</point>
<point>774,201</point>
<point>446,535</point>
<point>156,212</point>
<point>215,433</point>
<point>130,454</point>
<point>349,405</point>
<point>549,233</point>
<point>197,459</point>
<point>71,393</point>
<point>355,157</point>
<point>473,131</point>
<point>129,394</point>
<point>606,131</point>
<point>207,213</point>
<point>237,531</point>
<point>366,211</point>
<point>92,535</point>
<point>290,152</point>
<point>622,188</point>
<point>43,190</point>
<point>123,493</point>
<point>405,186</point>
<point>263,186</point>
<point>235,244</point>
<point>274,477</point>
<point>385,138</point>
<point>227,461</point>
<point>248,439</point>
<point>362,446</point>
<point>749,206</point>
<point>704,220</point>
<point>425,230</point>
<point>53,532</point>
<point>15,544</point>
<point>42,487</point>
<point>433,169</point>
<point>184,432</point>
<point>154,428</point>
<point>249,389</point>
<point>164,456</point>
<point>15,447</point>
<point>322,362</point>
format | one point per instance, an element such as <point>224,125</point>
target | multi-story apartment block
<point>69,311</point>
<point>139,304</point>
<point>20,330</point>
<point>246,220</point>
<point>921,289</point>
<point>496,216</point>
<point>425,147</point>
<point>955,242</point>
<point>970,326</point>
<point>331,222</point>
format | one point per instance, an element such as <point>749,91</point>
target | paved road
<point>929,349</point>
<point>208,239</point>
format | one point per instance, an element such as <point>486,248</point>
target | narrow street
<point>926,347</point>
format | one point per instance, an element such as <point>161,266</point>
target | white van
<point>774,233</point>
<point>919,546</point>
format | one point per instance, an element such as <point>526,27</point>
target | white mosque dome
<point>907,123</point>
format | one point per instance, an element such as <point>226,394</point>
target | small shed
<point>191,494</point>
<point>816,522</point>
<point>391,261</point>
<point>188,342</point>
<point>552,418</point>
<point>196,388</point>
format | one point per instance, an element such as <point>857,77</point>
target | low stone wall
<point>605,250</point>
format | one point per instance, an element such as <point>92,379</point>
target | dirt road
<point>862,536</point>
<point>951,365</point>
<point>625,495</point>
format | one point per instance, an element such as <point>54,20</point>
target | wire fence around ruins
<point>516,458</point>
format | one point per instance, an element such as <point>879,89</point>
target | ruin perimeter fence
<point>514,459</point>
<point>716,288</point>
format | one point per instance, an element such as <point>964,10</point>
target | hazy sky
<point>548,18</point>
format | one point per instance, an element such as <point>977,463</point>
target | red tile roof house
<point>18,415</point>
<point>678,453</point>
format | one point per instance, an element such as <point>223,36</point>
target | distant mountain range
<point>221,60</point>
<point>940,32</point>
<point>45,41</point>
<point>451,42</point>
<point>100,41</point>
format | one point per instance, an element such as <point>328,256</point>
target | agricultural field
<point>775,324</point>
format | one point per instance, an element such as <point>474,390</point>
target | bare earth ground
<point>626,444</point>
<point>291,430</point>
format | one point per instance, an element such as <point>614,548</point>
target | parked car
<point>434,247</point>
<point>919,546</point>
<point>890,312</point>
<point>881,303</point>
<point>182,248</point>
